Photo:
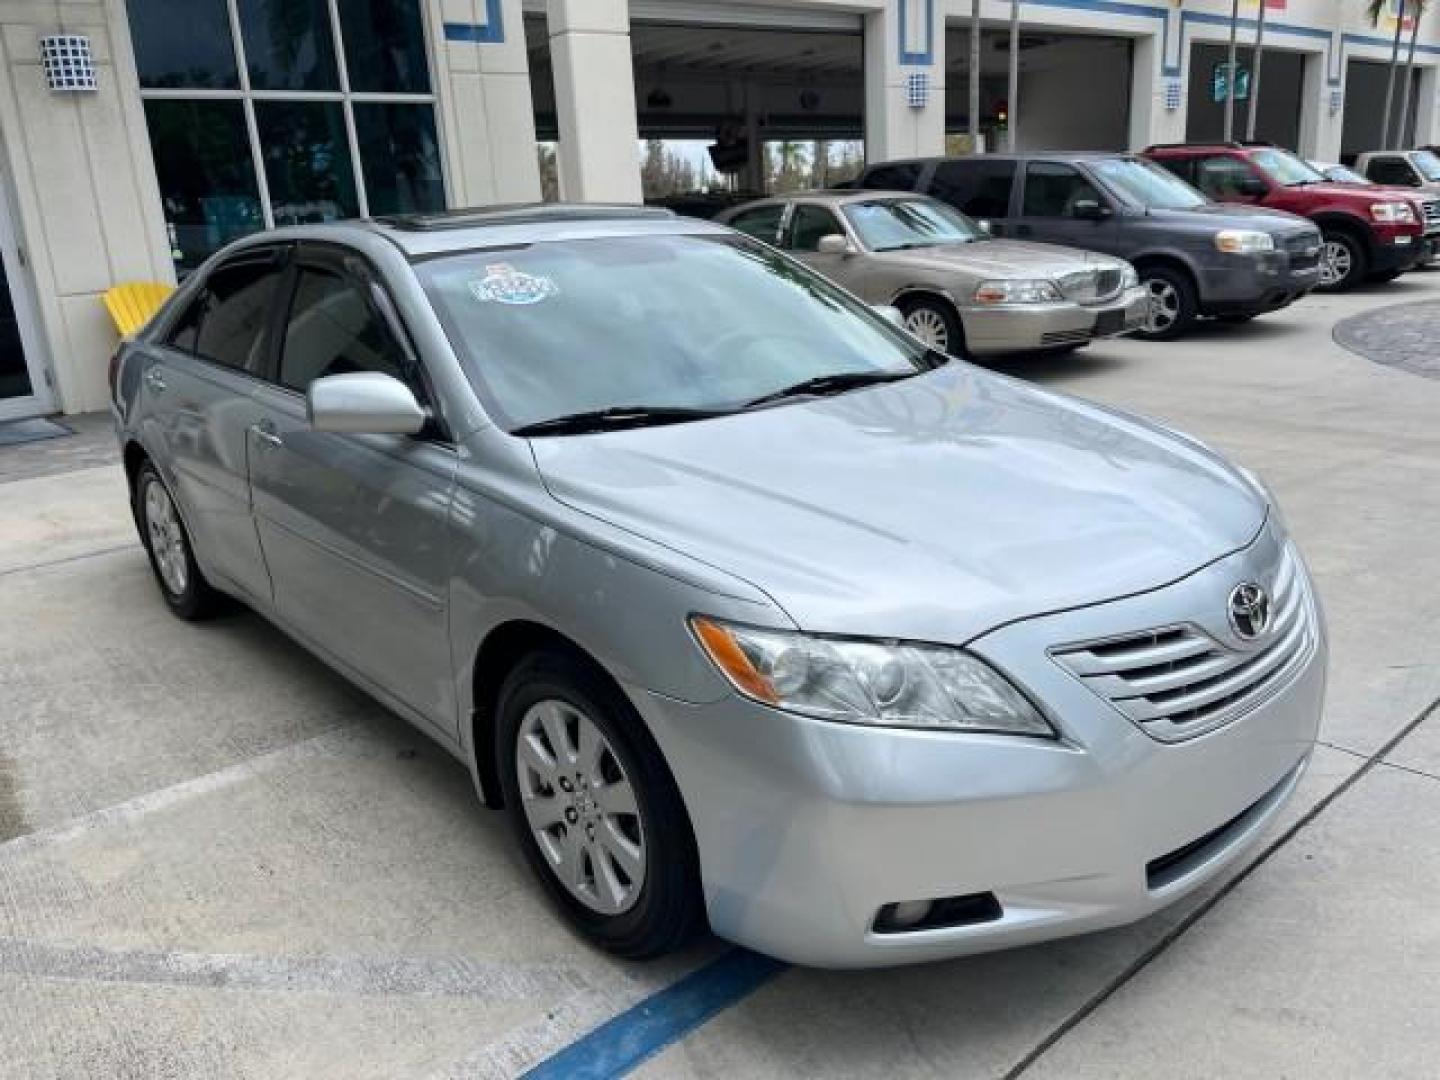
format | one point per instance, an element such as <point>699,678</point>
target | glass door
<point>23,391</point>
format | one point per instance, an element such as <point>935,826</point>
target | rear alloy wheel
<point>935,324</point>
<point>1342,262</point>
<point>595,809</point>
<point>181,583</point>
<point>1171,303</point>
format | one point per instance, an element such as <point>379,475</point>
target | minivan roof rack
<point>519,214</point>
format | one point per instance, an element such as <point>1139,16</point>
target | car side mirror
<point>986,226</point>
<point>890,313</point>
<point>364,403</point>
<point>1089,210</point>
<point>1253,186</point>
<point>833,244</point>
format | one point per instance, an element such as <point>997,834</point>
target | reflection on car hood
<point>1239,216</point>
<point>999,258</point>
<point>935,508</point>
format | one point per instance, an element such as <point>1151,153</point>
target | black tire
<point>1174,292</point>
<point>1356,262</point>
<point>194,598</point>
<point>935,312</point>
<point>669,908</point>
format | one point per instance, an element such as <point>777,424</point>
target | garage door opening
<point>1365,108</point>
<point>1074,90</point>
<point>1282,83</point>
<point>727,111</point>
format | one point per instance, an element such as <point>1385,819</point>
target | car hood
<point>1237,216</point>
<point>999,259</point>
<point>936,508</point>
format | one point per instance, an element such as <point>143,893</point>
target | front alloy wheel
<point>1170,303</point>
<point>1164,306</point>
<point>594,806</point>
<point>936,326</point>
<point>1342,262</point>
<point>581,807</point>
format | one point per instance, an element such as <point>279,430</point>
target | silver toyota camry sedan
<point>749,608</point>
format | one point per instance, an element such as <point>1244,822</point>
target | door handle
<point>155,381</point>
<point>266,433</point>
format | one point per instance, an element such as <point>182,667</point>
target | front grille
<point>1431,211</point>
<point>1092,286</point>
<point>1177,682</point>
<point>1065,337</point>
<point>1304,250</point>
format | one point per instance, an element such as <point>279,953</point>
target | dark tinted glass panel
<point>808,224</point>
<point>307,161</point>
<point>207,184</point>
<point>232,331</point>
<point>1222,177</point>
<point>400,157</point>
<point>289,44</point>
<point>333,331</point>
<point>891,177</point>
<point>1390,171</point>
<point>979,188</point>
<point>384,45</point>
<point>14,376</point>
<point>182,43</point>
<point>761,223</point>
<point>1053,190</point>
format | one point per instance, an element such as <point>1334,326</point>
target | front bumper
<point>806,829</point>
<point>1254,284</point>
<point>1031,327</point>
<point>1398,252</point>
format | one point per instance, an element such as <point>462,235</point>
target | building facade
<point>138,136</point>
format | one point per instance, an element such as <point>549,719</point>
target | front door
<point>807,225</point>
<point>1056,207</point>
<point>355,528</point>
<point>23,389</point>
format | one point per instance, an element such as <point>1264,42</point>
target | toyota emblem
<point>1249,610</point>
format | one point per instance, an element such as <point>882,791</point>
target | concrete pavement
<point>218,859</point>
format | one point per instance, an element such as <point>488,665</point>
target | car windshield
<point>1146,185</point>
<point>895,224</point>
<point>1427,163</point>
<point>684,324</point>
<point>1285,168</point>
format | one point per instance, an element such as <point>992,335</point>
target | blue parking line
<point>666,1016</point>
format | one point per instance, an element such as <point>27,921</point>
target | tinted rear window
<point>978,188</point>
<point>900,176</point>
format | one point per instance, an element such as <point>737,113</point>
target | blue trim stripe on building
<point>666,1016</point>
<point>926,56</point>
<point>492,32</point>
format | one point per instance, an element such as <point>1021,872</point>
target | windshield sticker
<point>503,284</point>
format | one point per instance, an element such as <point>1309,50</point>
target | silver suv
<point>745,605</point>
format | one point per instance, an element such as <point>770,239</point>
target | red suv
<point>1369,234</point>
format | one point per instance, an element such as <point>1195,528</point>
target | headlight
<point>1129,278</point>
<point>1392,211</point>
<point>883,683</point>
<point>1037,291</point>
<point>1244,241</point>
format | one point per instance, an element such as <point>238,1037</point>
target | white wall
<point>87,204</point>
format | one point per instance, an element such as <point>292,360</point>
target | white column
<point>1427,116</point>
<point>595,100</point>
<point>1320,129</point>
<point>906,37</point>
<point>1151,118</point>
<point>483,82</point>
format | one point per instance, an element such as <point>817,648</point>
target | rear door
<point>1051,198</point>
<point>978,187</point>
<point>354,527</point>
<point>200,389</point>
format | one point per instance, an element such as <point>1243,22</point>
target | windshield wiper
<point>616,417</point>
<point>830,384</point>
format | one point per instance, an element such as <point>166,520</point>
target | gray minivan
<point>1196,258</point>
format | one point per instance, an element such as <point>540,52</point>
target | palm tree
<point>1419,13</point>
<point>974,75</point>
<point>1011,105</point>
<point>1259,57</point>
<point>1374,9</point>
<point>1230,72</point>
